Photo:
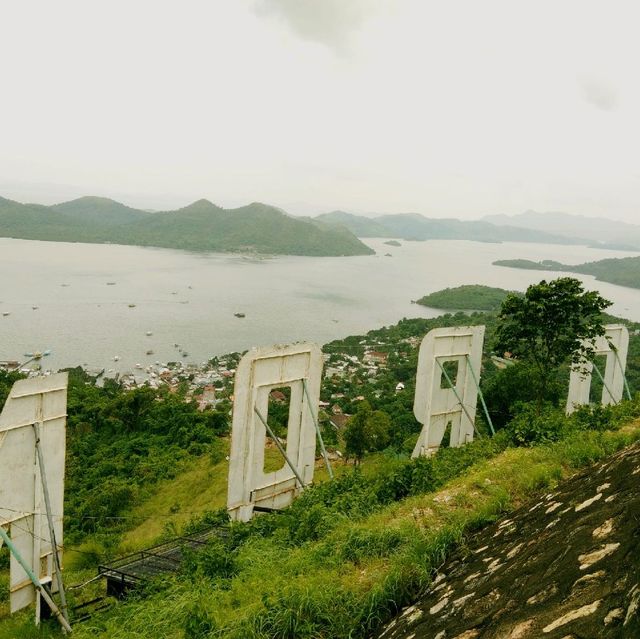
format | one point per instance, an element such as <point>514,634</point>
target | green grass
<point>358,572</point>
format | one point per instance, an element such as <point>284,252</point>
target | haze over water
<point>191,298</point>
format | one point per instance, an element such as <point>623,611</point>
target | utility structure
<point>32,460</point>
<point>614,345</point>
<point>299,368</point>
<point>444,398</point>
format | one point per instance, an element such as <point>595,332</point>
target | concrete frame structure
<point>614,344</point>
<point>435,403</point>
<point>259,372</point>
<point>42,402</point>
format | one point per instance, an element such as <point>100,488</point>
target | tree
<point>554,322</point>
<point>367,430</point>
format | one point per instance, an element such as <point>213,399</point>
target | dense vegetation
<point>349,553</point>
<point>472,297</point>
<point>624,271</point>
<point>201,226</point>
<point>412,226</point>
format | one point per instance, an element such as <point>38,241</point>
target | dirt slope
<point>566,567</point>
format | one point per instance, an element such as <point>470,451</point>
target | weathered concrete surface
<point>564,567</point>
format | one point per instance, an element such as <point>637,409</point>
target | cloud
<point>328,22</point>
<point>599,93</point>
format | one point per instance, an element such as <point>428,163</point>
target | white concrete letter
<point>435,403</point>
<point>259,372</point>
<point>614,344</point>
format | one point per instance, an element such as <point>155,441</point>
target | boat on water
<point>6,313</point>
<point>116,358</point>
<point>148,333</point>
<point>35,308</point>
<point>239,314</point>
<point>185,354</point>
<point>111,283</point>
<point>132,305</point>
<point>149,352</point>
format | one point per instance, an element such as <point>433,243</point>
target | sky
<point>449,109</point>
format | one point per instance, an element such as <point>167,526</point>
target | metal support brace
<point>35,581</point>
<point>52,532</point>
<point>283,452</point>
<point>455,392</point>
<point>624,377</point>
<point>597,370</point>
<point>317,425</point>
<point>484,405</point>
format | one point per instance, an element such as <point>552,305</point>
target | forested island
<point>472,297</point>
<point>624,271</point>
<point>201,226</point>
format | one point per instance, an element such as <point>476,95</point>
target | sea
<point>119,308</point>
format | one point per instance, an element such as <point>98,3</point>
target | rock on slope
<point>565,567</point>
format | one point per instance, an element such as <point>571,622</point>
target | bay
<point>96,302</point>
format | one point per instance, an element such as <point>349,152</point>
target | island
<point>624,271</point>
<point>469,297</point>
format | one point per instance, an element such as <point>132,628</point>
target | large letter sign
<point>298,367</point>
<point>436,403</point>
<point>35,408</point>
<point>614,344</point>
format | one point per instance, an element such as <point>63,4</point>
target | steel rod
<point>455,392</point>
<point>283,452</point>
<point>52,532</point>
<point>597,370</point>
<point>34,580</point>
<point>317,425</point>
<point>624,377</point>
<point>484,405</point>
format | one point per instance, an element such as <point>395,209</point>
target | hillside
<point>624,271</point>
<point>412,226</point>
<point>599,231</point>
<point>566,565</point>
<point>145,466</point>
<point>201,226</point>
<point>100,210</point>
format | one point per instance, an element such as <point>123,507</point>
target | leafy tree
<point>554,322</point>
<point>367,430</point>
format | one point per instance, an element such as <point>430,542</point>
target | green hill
<point>100,210</point>
<point>201,226</point>
<point>623,271</point>
<point>412,226</point>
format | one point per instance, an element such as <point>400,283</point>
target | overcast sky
<point>446,108</point>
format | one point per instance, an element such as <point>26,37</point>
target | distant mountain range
<point>412,226</point>
<point>201,226</point>
<point>261,228</point>
<point>599,231</point>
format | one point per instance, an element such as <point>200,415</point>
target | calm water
<point>191,299</point>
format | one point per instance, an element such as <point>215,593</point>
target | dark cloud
<point>599,93</point>
<point>329,22</point>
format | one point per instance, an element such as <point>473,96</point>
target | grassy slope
<point>202,487</point>
<point>357,575</point>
